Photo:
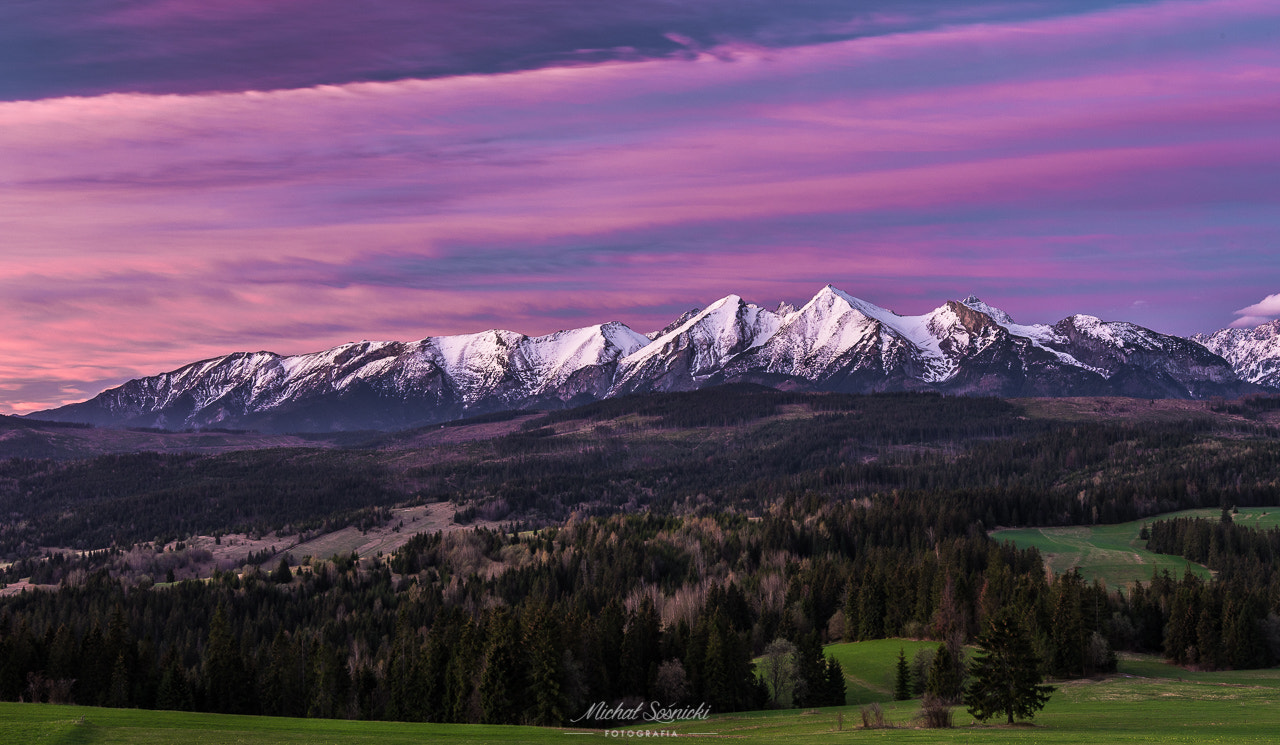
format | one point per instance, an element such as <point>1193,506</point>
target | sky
<point>182,180</point>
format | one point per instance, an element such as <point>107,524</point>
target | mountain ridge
<point>834,342</point>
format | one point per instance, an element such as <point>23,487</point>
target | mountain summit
<point>834,342</point>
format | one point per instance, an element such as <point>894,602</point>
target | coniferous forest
<point>644,548</point>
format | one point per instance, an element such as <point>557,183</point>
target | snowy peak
<point>696,349</point>
<point>973,303</point>
<point>815,339</point>
<point>552,359</point>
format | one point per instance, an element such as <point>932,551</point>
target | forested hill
<point>642,547</point>
<point>987,461</point>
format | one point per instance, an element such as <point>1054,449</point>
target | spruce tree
<point>503,681</point>
<point>225,679</point>
<point>836,690</point>
<point>811,671</point>
<point>944,678</point>
<point>282,575</point>
<point>902,682</point>
<point>1068,632</point>
<point>546,704</point>
<point>1006,677</point>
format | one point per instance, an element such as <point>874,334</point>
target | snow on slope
<point>548,361</point>
<point>1041,335</point>
<point>1253,353</point>
<point>810,340</point>
<point>835,330</point>
<point>699,347</point>
<point>835,341</point>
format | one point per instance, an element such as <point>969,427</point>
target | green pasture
<point>80,725</point>
<point>1147,701</point>
<point>1114,554</point>
<point>870,667</point>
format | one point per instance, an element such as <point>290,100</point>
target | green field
<point>1114,554</point>
<point>1148,701</point>
<point>870,667</point>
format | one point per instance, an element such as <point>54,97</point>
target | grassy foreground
<point>1114,554</point>
<point>1147,702</point>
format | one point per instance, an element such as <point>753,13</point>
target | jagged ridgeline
<point>835,342</point>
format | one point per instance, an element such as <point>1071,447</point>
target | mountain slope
<point>1254,353</point>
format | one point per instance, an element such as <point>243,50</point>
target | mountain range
<point>835,342</point>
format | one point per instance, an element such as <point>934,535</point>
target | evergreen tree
<point>871,608</point>
<point>502,682</point>
<point>1067,631</point>
<point>118,693</point>
<point>608,639</point>
<point>836,691</point>
<point>282,574</point>
<point>902,680</point>
<point>224,673</point>
<point>943,681</point>
<point>1005,676</point>
<point>174,693</point>
<point>546,700</point>
<point>641,650</point>
<point>63,654</point>
<point>811,671</point>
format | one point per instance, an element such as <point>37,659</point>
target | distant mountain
<point>1254,353</point>
<point>835,342</point>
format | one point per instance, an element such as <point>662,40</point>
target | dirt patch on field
<point>14,588</point>
<point>236,550</point>
<point>405,523</point>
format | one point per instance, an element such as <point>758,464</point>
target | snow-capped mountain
<point>835,342</point>
<point>374,385</point>
<point>840,342</point>
<point>1254,353</point>
<point>688,355</point>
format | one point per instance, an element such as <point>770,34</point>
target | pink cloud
<point>1259,313</point>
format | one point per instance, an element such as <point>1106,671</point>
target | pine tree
<point>282,574</point>
<point>871,609</point>
<point>118,691</point>
<point>943,680</point>
<point>811,671</point>
<point>225,678</point>
<point>174,693</point>
<point>502,682</point>
<point>546,701</point>
<point>1006,677</point>
<point>641,650</point>
<point>64,654</point>
<point>902,682</point>
<point>1068,632</point>
<point>836,689</point>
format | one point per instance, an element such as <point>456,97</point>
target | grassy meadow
<point>1148,701</point>
<point>1114,554</point>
